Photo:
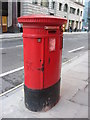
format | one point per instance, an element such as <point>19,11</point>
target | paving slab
<point>77,70</point>
<point>81,69</point>
<point>73,102</point>
<point>71,86</point>
<point>76,75</point>
<point>88,112</point>
<point>82,112</point>
<point>0,108</point>
<point>63,109</point>
<point>80,60</point>
<point>81,98</point>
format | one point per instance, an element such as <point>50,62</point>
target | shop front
<point>4,17</point>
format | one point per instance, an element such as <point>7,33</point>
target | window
<point>80,25</point>
<point>65,8</point>
<point>52,14</point>
<point>4,8</point>
<point>53,4</point>
<point>72,10</point>
<point>80,1</point>
<point>34,2</point>
<point>44,3</point>
<point>78,12</point>
<point>77,24</point>
<point>81,13</point>
<point>18,9</point>
<point>60,6</point>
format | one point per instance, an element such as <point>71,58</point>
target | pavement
<point>10,35</point>
<point>18,35</point>
<point>74,95</point>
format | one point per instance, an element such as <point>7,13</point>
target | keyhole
<point>49,61</point>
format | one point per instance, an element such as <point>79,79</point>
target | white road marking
<point>12,89</point>
<point>71,33</point>
<point>19,46</point>
<point>70,60</point>
<point>12,71</point>
<point>21,68</point>
<point>11,47</point>
<point>10,39</point>
<point>76,49</point>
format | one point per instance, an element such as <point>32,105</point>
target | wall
<point>10,13</point>
<point>29,8</point>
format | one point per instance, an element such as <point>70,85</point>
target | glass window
<point>72,10</point>
<point>34,2</point>
<point>78,12</point>
<point>60,6</point>
<point>44,3</point>
<point>65,8</point>
<point>81,13</point>
<point>53,4</point>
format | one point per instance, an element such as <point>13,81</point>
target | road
<point>12,54</point>
<point>74,45</point>
<point>12,57</point>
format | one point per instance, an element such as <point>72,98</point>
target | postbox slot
<point>52,31</point>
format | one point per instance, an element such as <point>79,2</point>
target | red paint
<point>42,39</point>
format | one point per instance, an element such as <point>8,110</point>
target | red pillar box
<point>42,40</point>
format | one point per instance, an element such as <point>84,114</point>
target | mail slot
<point>42,41</point>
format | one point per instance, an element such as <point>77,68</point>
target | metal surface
<point>12,59</point>
<point>42,60</point>
<point>42,20</point>
<point>42,40</point>
<point>42,100</point>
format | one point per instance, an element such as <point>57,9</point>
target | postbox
<point>42,45</point>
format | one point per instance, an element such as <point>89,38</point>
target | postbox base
<point>42,100</point>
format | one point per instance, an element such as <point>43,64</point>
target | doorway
<point>18,9</point>
<point>4,16</point>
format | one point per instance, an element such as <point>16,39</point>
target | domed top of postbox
<point>42,20</point>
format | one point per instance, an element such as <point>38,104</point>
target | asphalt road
<point>12,57</point>
<point>74,45</point>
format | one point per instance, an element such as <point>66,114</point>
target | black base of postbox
<point>42,100</point>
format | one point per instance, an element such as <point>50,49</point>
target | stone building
<point>72,10</point>
<point>86,15</point>
<point>89,16</point>
<point>9,13</point>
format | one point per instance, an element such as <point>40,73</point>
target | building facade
<point>86,14</point>
<point>9,12</point>
<point>89,15</point>
<point>72,10</point>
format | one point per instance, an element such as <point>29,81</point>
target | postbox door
<point>33,62</point>
<point>52,67</point>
